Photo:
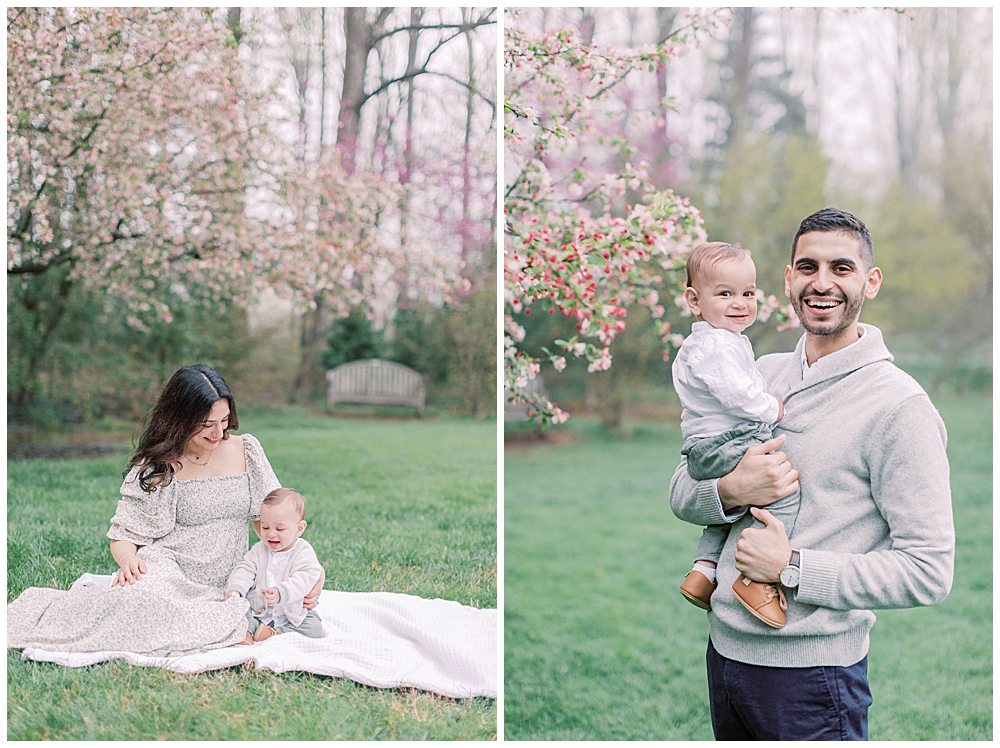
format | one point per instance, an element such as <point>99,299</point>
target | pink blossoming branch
<point>582,244</point>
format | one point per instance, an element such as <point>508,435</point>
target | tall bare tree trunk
<point>588,21</point>
<point>470,92</point>
<point>741,60</point>
<point>359,44</point>
<point>298,36</point>
<point>663,169</point>
<point>904,153</point>
<point>322,67</point>
<point>360,39</point>
<point>411,66</point>
<point>234,24</point>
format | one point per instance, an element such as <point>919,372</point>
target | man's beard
<point>851,310</point>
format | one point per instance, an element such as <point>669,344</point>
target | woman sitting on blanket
<point>180,529</point>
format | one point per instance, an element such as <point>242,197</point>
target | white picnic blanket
<point>379,639</point>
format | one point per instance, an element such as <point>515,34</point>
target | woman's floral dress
<point>192,533</point>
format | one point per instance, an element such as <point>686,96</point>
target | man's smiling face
<point>828,282</point>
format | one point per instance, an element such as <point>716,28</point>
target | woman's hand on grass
<point>311,600</point>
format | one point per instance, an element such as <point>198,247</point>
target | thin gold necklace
<point>199,464</point>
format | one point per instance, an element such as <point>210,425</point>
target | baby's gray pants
<point>311,626</point>
<point>714,456</point>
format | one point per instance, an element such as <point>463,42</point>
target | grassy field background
<point>600,645</point>
<point>393,505</point>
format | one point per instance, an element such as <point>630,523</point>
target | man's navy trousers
<point>752,702</point>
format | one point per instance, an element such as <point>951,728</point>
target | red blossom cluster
<point>577,243</point>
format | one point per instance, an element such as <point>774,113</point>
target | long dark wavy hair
<point>183,405</point>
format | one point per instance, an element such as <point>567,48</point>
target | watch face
<point>790,576</point>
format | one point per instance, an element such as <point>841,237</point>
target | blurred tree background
<point>320,186</point>
<point>785,111</point>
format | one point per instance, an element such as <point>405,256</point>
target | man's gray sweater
<point>875,525</point>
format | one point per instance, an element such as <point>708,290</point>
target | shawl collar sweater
<point>875,526</point>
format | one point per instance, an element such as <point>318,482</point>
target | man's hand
<point>760,478</point>
<point>311,600</point>
<point>131,571</point>
<point>762,553</point>
<point>272,595</point>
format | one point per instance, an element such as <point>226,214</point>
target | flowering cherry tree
<point>128,152</point>
<point>140,165</point>
<point>127,147</point>
<point>327,242</point>
<point>584,244</point>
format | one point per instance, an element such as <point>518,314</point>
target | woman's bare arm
<point>131,566</point>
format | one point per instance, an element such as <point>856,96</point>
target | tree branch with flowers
<point>588,244</point>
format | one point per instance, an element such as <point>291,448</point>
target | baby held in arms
<point>277,573</point>
<point>727,409</point>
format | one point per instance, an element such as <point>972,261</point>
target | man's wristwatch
<point>790,574</point>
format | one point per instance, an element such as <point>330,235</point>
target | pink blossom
<point>593,260</point>
<point>682,304</point>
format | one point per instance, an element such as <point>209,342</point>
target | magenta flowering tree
<point>586,235</point>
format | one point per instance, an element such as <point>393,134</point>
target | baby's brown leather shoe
<point>263,632</point>
<point>697,589</point>
<point>766,601</point>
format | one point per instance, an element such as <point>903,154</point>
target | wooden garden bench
<point>375,382</point>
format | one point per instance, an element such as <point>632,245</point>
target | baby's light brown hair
<point>708,254</point>
<point>279,495</point>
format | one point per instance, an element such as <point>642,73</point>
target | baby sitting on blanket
<point>275,575</point>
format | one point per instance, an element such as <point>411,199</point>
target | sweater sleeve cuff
<point>710,505</point>
<point>818,575</point>
<point>284,594</point>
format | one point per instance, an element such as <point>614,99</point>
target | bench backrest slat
<point>375,381</point>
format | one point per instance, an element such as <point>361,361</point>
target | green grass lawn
<point>600,645</point>
<point>400,506</point>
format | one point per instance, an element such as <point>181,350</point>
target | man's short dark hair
<point>834,219</point>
